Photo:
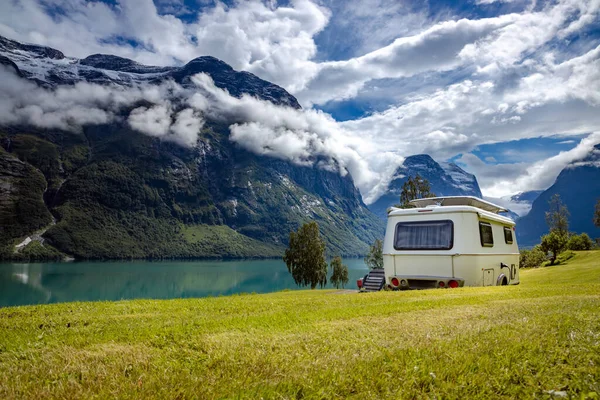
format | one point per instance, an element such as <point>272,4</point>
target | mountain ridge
<point>50,68</point>
<point>579,199</point>
<point>446,179</point>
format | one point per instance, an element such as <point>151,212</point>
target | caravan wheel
<point>502,280</point>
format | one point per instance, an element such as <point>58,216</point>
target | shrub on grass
<point>554,242</point>
<point>580,242</point>
<point>532,258</point>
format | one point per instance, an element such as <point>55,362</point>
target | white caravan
<point>448,242</point>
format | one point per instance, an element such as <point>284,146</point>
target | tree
<point>305,256</point>
<point>597,214</point>
<point>580,242</point>
<point>375,257</point>
<point>339,277</point>
<point>557,216</point>
<point>554,242</point>
<point>414,188</point>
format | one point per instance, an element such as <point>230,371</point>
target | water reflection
<point>88,281</point>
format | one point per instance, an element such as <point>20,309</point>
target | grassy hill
<point>525,341</point>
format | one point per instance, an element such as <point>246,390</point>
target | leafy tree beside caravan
<point>414,188</point>
<point>375,257</point>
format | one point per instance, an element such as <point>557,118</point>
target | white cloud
<point>562,98</point>
<point>276,43</point>
<point>435,49</point>
<point>480,2</point>
<point>503,179</point>
<point>303,137</point>
<point>521,208</point>
<point>360,26</point>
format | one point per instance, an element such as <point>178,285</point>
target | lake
<point>39,283</point>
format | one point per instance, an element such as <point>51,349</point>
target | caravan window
<point>508,237</point>
<point>485,234</point>
<point>424,235</point>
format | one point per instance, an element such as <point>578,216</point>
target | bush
<point>532,258</point>
<point>554,242</point>
<point>580,242</point>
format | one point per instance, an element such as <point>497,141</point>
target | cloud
<point>480,2</point>
<point>304,137</point>
<point>435,49</point>
<point>502,179</point>
<point>560,98</point>
<point>277,42</point>
<point>171,112</point>
<point>521,208</point>
<point>360,26</point>
<point>70,108</point>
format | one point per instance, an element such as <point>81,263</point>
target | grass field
<point>499,342</point>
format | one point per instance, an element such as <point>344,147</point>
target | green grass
<point>497,342</point>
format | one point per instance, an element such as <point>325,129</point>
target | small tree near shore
<point>305,256</point>
<point>375,257</point>
<point>339,277</point>
<point>597,214</point>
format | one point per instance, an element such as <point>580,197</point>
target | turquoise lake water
<point>39,283</point>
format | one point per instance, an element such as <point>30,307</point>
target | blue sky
<point>508,89</point>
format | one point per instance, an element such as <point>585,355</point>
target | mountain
<point>578,185</point>
<point>112,192</point>
<point>526,197</point>
<point>446,179</point>
<point>51,68</point>
<point>521,202</point>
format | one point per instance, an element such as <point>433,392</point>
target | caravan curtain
<point>424,235</point>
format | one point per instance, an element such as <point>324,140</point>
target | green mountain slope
<point>116,193</point>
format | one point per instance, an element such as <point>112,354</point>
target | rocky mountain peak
<point>36,51</point>
<point>205,64</point>
<point>49,67</point>
<point>446,179</point>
